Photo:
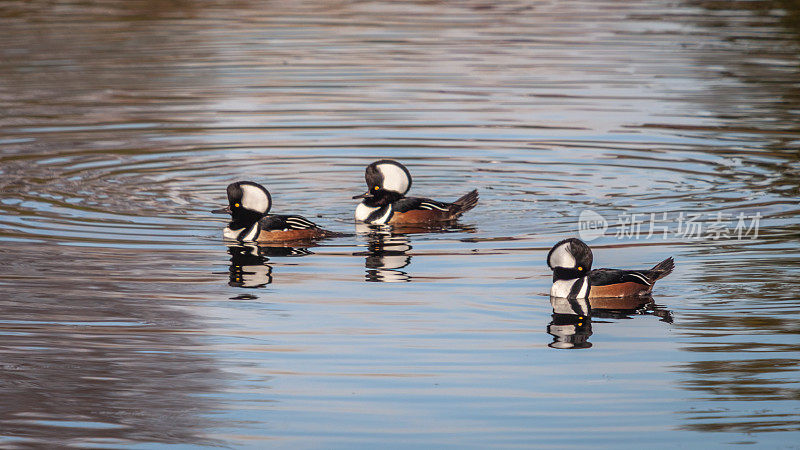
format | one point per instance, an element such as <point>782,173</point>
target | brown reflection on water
<point>86,361</point>
<point>744,336</point>
<point>741,326</point>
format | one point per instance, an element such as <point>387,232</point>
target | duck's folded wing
<point>407,204</point>
<point>275,222</point>
<point>604,277</point>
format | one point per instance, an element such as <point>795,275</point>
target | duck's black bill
<point>364,195</point>
<point>225,210</point>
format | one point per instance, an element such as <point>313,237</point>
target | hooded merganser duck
<point>248,205</point>
<point>385,201</point>
<point>574,279</point>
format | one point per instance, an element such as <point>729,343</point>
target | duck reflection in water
<point>571,323</point>
<point>250,266</point>
<point>575,301</point>
<point>388,245</point>
<point>385,255</point>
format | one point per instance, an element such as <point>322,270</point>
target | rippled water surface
<point>127,321</point>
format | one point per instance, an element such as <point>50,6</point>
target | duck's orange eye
<point>235,205</point>
<point>580,268</point>
<point>376,188</point>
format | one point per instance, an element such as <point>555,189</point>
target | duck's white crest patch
<point>561,257</point>
<point>255,199</point>
<point>394,178</point>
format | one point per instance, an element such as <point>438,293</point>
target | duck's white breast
<point>252,233</point>
<point>227,233</point>
<point>363,212</point>
<point>561,288</point>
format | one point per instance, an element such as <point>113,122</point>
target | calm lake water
<point>127,321</point>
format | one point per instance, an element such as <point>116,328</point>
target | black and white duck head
<point>571,262</point>
<point>248,202</point>
<point>387,182</point>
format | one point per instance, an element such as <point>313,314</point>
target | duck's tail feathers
<point>661,270</point>
<point>463,204</point>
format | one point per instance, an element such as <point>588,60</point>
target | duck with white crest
<point>249,204</point>
<point>385,201</point>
